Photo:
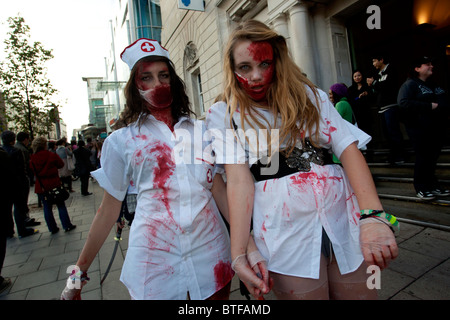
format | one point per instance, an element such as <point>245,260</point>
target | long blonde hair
<point>286,96</point>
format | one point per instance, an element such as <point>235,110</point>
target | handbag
<point>55,195</point>
<point>70,164</point>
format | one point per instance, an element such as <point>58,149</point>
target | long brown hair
<point>286,96</point>
<point>136,105</point>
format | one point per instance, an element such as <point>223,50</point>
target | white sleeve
<point>113,175</point>
<point>335,132</point>
<point>225,145</point>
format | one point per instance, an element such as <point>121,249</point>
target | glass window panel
<point>148,19</point>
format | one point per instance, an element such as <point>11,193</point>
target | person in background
<point>425,110</point>
<point>83,166</point>
<point>45,165</point>
<point>23,143</point>
<point>385,88</point>
<point>52,146</point>
<point>20,186</point>
<point>93,148</point>
<point>99,154</point>
<point>361,101</point>
<point>66,155</point>
<point>338,96</point>
<point>6,194</point>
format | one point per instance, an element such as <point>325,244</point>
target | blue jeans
<point>50,219</point>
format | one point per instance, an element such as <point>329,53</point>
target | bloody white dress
<point>178,241</point>
<point>290,212</point>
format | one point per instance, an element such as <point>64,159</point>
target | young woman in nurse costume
<point>306,213</point>
<point>178,246</point>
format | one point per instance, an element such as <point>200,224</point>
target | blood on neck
<point>164,115</point>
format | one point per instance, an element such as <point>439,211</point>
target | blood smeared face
<point>153,81</point>
<point>254,67</point>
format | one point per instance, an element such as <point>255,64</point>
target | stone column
<point>301,39</point>
<point>325,70</point>
<point>280,25</point>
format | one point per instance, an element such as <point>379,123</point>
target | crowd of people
<point>298,214</point>
<point>45,165</point>
<point>419,104</point>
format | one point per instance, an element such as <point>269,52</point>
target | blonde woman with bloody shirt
<point>306,215</point>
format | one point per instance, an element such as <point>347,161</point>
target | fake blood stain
<point>161,96</point>
<point>330,130</point>
<point>162,171</point>
<point>161,229</point>
<point>222,274</point>
<point>260,52</point>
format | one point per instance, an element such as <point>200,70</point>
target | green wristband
<point>366,213</point>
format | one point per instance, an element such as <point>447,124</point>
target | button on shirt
<point>290,212</point>
<point>178,241</point>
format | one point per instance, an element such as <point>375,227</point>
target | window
<point>148,19</point>
<point>198,93</point>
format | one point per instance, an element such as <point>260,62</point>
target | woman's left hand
<point>378,243</point>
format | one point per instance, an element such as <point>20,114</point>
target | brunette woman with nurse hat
<point>178,245</point>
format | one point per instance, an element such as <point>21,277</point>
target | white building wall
<point>315,34</point>
<point>182,27</point>
<point>316,37</point>
<point>121,36</point>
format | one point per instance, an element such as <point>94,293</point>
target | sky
<point>79,34</point>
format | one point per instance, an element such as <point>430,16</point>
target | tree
<point>23,79</point>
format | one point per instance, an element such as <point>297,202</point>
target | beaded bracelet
<point>394,225</point>
<point>78,274</point>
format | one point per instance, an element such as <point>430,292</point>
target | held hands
<point>74,283</point>
<point>377,242</point>
<point>251,268</point>
<point>70,293</point>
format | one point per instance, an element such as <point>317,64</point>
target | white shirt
<point>289,212</point>
<point>178,241</point>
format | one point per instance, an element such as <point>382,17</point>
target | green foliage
<point>23,80</point>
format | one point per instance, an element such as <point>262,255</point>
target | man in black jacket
<point>20,186</point>
<point>425,108</point>
<point>83,166</point>
<point>385,87</point>
<point>6,195</point>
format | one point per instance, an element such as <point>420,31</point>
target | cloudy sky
<point>79,34</point>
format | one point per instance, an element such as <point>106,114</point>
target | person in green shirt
<point>338,97</point>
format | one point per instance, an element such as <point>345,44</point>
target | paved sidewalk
<point>37,264</point>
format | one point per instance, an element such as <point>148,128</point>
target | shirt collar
<point>384,69</point>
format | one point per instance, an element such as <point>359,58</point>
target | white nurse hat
<point>142,48</point>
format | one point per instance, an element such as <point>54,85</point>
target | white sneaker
<point>440,192</point>
<point>425,195</point>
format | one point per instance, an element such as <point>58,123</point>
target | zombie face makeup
<point>159,97</point>
<point>254,67</point>
<point>153,82</point>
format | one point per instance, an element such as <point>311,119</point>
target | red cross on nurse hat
<point>142,48</point>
